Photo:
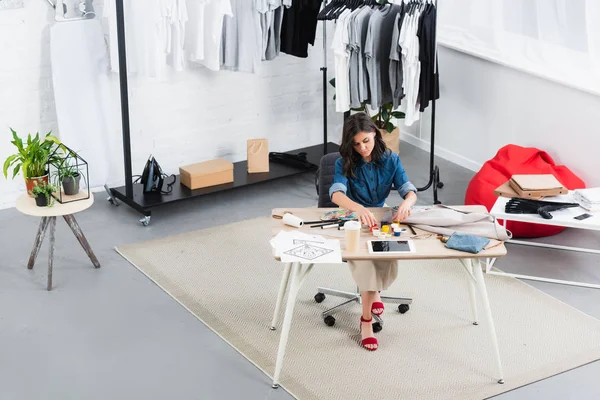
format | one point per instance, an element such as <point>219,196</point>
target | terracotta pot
<point>392,140</point>
<point>29,182</point>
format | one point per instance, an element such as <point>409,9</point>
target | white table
<point>564,218</point>
<point>295,273</point>
<point>27,206</point>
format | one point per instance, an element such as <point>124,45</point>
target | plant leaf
<point>8,163</point>
<point>389,127</point>
<point>332,82</point>
<point>398,114</point>
<point>385,115</point>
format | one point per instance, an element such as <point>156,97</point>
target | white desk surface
<point>559,218</point>
<point>430,248</point>
<point>26,205</point>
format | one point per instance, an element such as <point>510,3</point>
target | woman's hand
<point>366,217</point>
<point>403,212</point>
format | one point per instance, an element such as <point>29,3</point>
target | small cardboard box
<point>207,173</point>
<point>537,185</point>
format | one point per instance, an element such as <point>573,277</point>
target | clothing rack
<point>434,171</point>
<point>132,194</point>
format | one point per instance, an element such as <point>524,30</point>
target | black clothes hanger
<point>526,206</point>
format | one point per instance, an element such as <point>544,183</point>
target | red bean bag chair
<point>510,160</point>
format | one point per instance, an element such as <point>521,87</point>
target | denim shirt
<point>373,181</point>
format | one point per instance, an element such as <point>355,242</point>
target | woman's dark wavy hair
<point>354,124</point>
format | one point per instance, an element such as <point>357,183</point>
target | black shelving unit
<point>132,193</point>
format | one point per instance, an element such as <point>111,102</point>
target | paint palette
<point>338,215</point>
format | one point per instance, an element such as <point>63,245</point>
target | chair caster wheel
<point>440,185</point>
<point>319,297</point>
<point>329,320</point>
<point>377,327</point>
<point>402,308</point>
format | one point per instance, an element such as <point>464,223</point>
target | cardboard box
<point>207,173</point>
<point>537,185</point>
<point>505,190</point>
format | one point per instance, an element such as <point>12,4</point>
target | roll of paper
<point>292,220</point>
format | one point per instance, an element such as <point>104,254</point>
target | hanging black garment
<point>299,27</point>
<point>429,79</point>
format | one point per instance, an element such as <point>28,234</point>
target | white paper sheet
<point>305,248</point>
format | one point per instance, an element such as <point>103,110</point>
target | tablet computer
<point>391,246</point>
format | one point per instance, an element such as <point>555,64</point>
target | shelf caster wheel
<point>329,320</point>
<point>440,185</point>
<point>501,381</point>
<point>403,308</point>
<point>377,327</point>
<point>111,199</point>
<point>275,386</point>
<point>319,297</point>
<point>145,221</point>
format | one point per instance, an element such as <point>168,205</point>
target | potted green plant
<point>389,131</point>
<point>42,192</point>
<point>32,158</point>
<point>70,177</point>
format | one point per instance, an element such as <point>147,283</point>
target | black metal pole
<point>124,98</point>
<point>324,69</point>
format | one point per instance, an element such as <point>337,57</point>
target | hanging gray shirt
<point>359,88</point>
<point>396,71</point>
<point>377,53</point>
<point>241,42</point>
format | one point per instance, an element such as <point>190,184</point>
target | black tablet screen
<point>382,246</point>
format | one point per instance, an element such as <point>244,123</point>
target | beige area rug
<point>431,352</point>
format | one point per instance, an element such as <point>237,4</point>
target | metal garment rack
<point>132,194</point>
<point>434,171</point>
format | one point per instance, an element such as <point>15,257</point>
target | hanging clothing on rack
<point>359,87</point>
<point>242,37</point>
<point>427,58</point>
<point>409,42</point>
<point>203,41</point>
<point>299,26</point>
<point>377,53</point>
<point>271,19</point>
<point>339,44</point>
<point>146,39</point>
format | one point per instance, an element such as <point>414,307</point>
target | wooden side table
<point>27,206</point>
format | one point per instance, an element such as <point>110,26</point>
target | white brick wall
<point>191,116</point>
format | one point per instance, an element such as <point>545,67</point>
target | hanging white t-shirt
<point>178,19</point>
<point>340,42</point>
<point>144,39</point>
<point>409,42</point>
<point>214,13</point>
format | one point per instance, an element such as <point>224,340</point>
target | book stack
<point>588,198</point>
<point>531,186</point>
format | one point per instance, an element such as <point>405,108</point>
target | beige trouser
<point>373,275</point>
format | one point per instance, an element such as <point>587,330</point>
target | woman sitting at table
<point>363,178</point>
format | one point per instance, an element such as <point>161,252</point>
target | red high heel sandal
<point>370,340</point>
<point>377,305</point>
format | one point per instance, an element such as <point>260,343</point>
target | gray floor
<point>113,334</point>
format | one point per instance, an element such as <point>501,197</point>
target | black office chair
<point>323,181</point>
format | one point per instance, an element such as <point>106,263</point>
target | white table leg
<point>473,293</point>
<point>282,288</point>
<point>298,274</point>
<point>480,285</point>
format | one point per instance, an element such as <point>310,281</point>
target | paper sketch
<point>308,251</point>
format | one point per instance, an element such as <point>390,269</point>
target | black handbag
<point>152,178</point>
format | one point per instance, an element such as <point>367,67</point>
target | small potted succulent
<point>42,192</point>
<point>70,179</point>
